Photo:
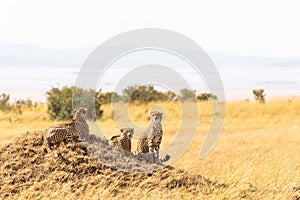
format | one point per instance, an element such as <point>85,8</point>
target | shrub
<point>59,102</point>
<point>21,103</point>
<point>187,94</point>
<point>83,97</point>
<point>4,102</point>
<point>107,97</point>
<point>259,95</point>
<point>206,97</point>
<point>145,94</point>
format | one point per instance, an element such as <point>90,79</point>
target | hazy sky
<point>262,28</point>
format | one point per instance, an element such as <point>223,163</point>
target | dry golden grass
<point>257,154</point>
<point>13,124</point>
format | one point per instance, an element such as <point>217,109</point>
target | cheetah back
<point>61,132</point>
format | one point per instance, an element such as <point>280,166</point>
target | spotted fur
<point>150,141</point>
<point>123,141</point>
<point>75,130</point>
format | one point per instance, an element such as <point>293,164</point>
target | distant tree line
<point>6,106</point>
<point>147,93</point>
<point>60,100</point>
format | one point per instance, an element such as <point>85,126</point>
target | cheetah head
<point>127,132</point>
<point>156,117</point>
<point>80,113</point>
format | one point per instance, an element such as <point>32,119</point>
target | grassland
<point>257,155</point>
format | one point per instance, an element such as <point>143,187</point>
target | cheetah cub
<point>123,141</point>
<point>150,141</point>
<point>76,129</point>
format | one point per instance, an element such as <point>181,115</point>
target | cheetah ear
<point>74,110</point>
<point>121,129</point>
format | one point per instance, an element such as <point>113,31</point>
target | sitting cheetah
<point>150,141</point>
<point>123,141</point>
<point>73,130</point>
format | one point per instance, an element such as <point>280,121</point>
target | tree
<point>187,94</point>
<point>60,107</point>
<point>28,103</point>
<point>206,97</point>
<point>169,96</point>
<point>4,102</point>
<point>259,95</point>
<point>54,102</point>
<point>88,98</point>
<point>19,104</point>
<point>145,94</point>
<point>108,97</point>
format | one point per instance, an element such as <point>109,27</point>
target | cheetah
<point>123,141</point>
<point>77,129</point>
<point>150,141</point>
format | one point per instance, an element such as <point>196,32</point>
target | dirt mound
<point>27,170</point>
<point>119,159</point>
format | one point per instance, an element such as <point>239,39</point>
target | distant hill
<point>244,61</point>
<point>12,54</point>
<point>28,55</point>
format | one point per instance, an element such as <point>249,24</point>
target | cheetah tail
<point>165,159</point>
<point>114,137</point>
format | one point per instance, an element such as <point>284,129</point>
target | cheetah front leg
<point>49,145</point>
<point>157,146</point>
<point>152,150</point>
<point>76,139</point>
<point>156,154</point>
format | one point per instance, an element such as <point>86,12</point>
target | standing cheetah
<point>123,141</point>
<point>150,141</point>
<point>76,129</point>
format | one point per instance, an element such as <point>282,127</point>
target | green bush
<point>145,94</point>
<point>108,97</point>
<point>83,97</point>
<point>187,94</point>
<point>59,102</point>
<point>206,97</point>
